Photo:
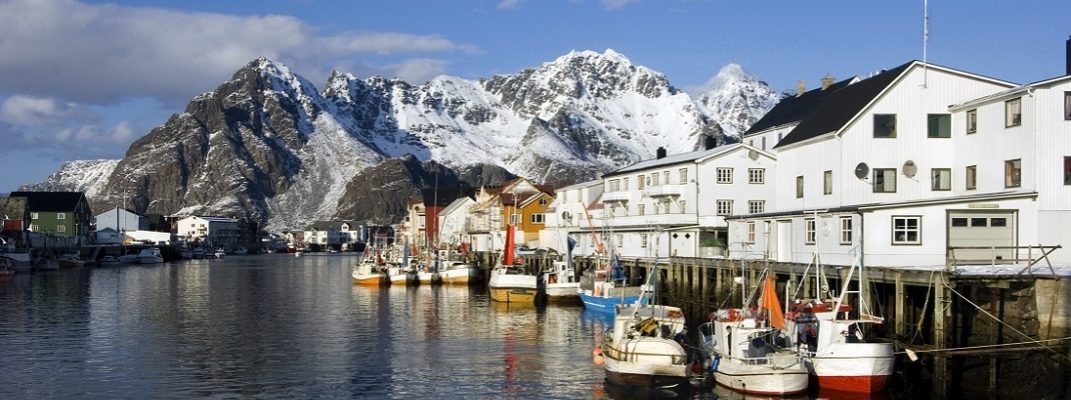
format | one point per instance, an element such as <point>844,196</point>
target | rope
<point>1032,340</point>
<point>984,346</point>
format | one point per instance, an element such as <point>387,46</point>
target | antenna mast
<point>925,38</point>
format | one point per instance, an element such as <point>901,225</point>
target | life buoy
<point>733,314</point>
<point>674,314</point>
<point>553,279</point>
<point>596,356</point>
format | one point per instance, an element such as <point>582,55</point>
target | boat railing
<point>632,356</point>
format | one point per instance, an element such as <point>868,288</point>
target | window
<point>643,240</point>
<point>1067,170</point>
<point>1067,105</point>
<point>808,231</point>
<point>639,182</point>
<point>751,232</point>
<point>725,175</point>
<point>33,215</point>
<point>764,142</point>
<point>61,228</point>
<point>972,121</point>
<point>971,177</point>
<point>940,179</point>
<point>939,125</point>
<point>799,187</point>
<point>683,175</point>
<point>654,180</point>
<point>725,207</point>
<point>640,208</point>
<point>681,205</point>
<point>615,185</point>
<point>513,218</point>
<point>542,201</point>
<point>959,222</point>
<point>624,183</point>
<point>885,125</point>
<point>756,176</point>
<point>665,177</point>
<point>884,180</point>
<point>907,230</point>
<point>61,215</point>
<point>1013,173</point>
<point>1013,112</point>
<point>827,182</point>
<point>619,239</point>
<point>34,228</point>
<point>998,222</point>
<point>537,218</point>
<point>756,206</point>
<point>979,222</point>
<point>846,230</point>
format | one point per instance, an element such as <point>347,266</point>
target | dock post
<point>941,314</point>
<point>898,313</point>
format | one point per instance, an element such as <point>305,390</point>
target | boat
<point>109,261</point>
<point>749,352</point>
<point>428,272</point>
<point>459,273</point>
<point>241,251</point>
<point>19,261</point>
<point>561,284</point>
<point>603,288</point>
<point>640,350</point>
<point>833,345</point>
<point>150,255</point>
<point>402,272</point>
<point>198,253</point>
<point>219,253</point>
<point>510,282</point>
<point>128,259</point>
<point>186,254</point>
<point>69,260</point>
<point>369,272</point>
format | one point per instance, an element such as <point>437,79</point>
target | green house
<point>64,214</point>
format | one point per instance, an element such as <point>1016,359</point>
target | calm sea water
<point>284,326</point>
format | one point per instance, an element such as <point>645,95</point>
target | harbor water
<point>282,326</point>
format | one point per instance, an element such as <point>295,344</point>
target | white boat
<point>69,261</point>
<point>368,272</point>
<point>109,261</point>
<point>837,353</point>
<point>428,273</point>
<point>401,275</point>
<point>241,251</point>
<point>459,273</point>
<point>128,259</point>
<point>561,284</point>
<point>20,261</point>
<point>150,255</point>
<point>510,283</point>
<point>746,353</point>
<point>640,350</point>
<point>219,253</point>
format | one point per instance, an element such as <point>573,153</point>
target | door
<point>981,229</point>
<point>784,241</point>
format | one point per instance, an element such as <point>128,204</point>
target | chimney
<point>1067,54</point>
<point>827,81</point>
<point>661,153</point>
<point>710,142</point>
<point>801,87</point>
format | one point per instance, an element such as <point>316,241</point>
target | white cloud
<point>419,71</point>
<point>614,4</point>
<point>509,4</point>
<point>104,53</point>
<point>33,111</point>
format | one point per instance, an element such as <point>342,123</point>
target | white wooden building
<point>870,169</point>
<point>676,205</point>
<point>452,222</point>
<point>213,231</point>
<point>568,216</point>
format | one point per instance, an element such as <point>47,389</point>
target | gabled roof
<point>330,225</point>
<point>442,197</point>
<point>51,201</point>
<point>841,106</point>
<point>795,108</point>
<point>672,159</point>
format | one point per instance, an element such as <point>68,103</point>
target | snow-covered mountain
<point>268,144</point>
<point>79,176</point>
<point>736,99</point>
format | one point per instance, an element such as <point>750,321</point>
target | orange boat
<point>367,272</point>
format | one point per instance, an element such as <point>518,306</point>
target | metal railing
<point>1030,254</point>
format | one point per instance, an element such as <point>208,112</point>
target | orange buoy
<point>596,356</point>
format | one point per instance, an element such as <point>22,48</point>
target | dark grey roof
<point>680,158</point>
<point>795,108</point>
<point>840,106</point>
<point>51,201</point>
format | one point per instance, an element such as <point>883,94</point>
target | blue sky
<point>84,79</point>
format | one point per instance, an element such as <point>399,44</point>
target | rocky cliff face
<point>268,144</point>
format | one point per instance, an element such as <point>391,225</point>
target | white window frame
<point>639,182</point>
<point>756,206</point>
<point>943,120</point>
<point>827,182</point>
<point>1013,173</point>
<point>683,175</point>
<point>970,177</point>
<point>810,234</point>
<point>799,187</point>
<point>61,215</point>
<point>682,204</point>
<point>513,219</point>
<point>624,183</point>
<point>34,215</point>
<point>1013,112</point>
<point>614,186</point>
<point>643,240</point>
<point>936,181</point>
<point>907,230</point>
<point>641,209</point>
<point>972,121</point>
<point>751,232</point>
<point>619,239</point>
<point>756,176</point>
<point>61,228</point>
<point>888,135</point>
<point>885,174</point>
<point>537,218</point>
<point>724,207</point>
<point>724,175</point>
<point>845,230</point>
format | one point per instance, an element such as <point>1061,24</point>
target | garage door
<point>981,229</point>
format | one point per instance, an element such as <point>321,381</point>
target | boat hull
<point>513,294</point>
<point>462,276</point>
<point>858,367</point>
<point>512,287</point>
<point>741,378</point>
<point>563,293</point>
<point>370,279</point>
<point>427,278</point>
<point>605,304</point>
<point>648,373</point>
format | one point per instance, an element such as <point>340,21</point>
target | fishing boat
<point>605,286</point>
<point>401,271</point>
<point>369,272</point>
<point>510,282</point>
<point>109,261</point>
<point>833,343</point>
<point>459,273</point>
<point>69,260</point>
<point>20,261</point>
<point>428,273</point>
<point>7,269</point>
<point>749,351</point>
<point>241,251</point>
<point>561,284</point>
<point>640,350</point>
<point>150,255</point>
<point>220,253</point>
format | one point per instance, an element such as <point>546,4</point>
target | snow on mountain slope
<point>267,144</point>
<point>81,175</point>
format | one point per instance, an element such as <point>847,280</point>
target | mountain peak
<point>736,97</point>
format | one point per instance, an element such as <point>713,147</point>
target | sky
<point>84,79</point>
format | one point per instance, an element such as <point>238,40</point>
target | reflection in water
<point>277,326</point>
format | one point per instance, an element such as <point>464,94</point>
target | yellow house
<point>524,205</point>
